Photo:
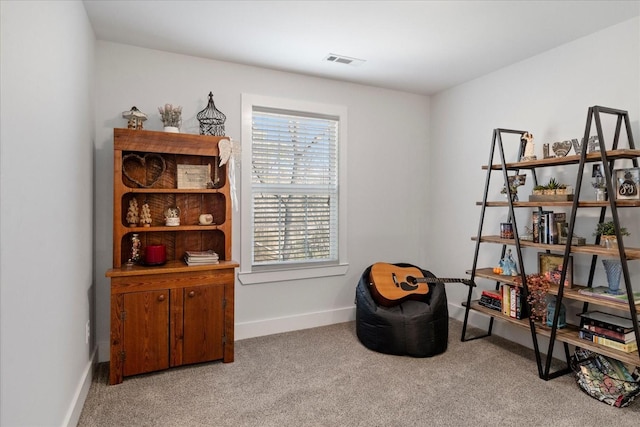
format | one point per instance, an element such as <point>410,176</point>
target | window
<point>293,208</point>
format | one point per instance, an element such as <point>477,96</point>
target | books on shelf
<point>608,333</point>
<point>491,299</point>
<point>607,342</point>
<point>513,302</point>
<point>606,320</point>
<point>603,292</point>
<point>505,290</point>
<point>545,226</point>
<point>201,257</point>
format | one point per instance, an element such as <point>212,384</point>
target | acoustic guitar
<point>390,284</point>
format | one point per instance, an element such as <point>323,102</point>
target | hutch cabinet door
<point>203,323</point>
<point>146,332</point>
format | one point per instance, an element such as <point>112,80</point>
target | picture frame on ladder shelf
<point>627,183</point>
<point>550,266</point>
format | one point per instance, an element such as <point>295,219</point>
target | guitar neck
<point>440,280</point>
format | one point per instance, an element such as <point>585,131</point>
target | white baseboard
<point>277,325</point>
<point>80,396</point>
<point>258,328</point>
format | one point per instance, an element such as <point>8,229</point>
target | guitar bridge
<point>395,280</point>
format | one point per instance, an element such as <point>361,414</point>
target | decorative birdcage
<point>211,119</point>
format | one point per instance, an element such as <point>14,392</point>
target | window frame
<point>246,274</point>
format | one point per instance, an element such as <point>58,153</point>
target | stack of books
<point>201,257</point>
<point>608,330</point>
<point>491,299</point>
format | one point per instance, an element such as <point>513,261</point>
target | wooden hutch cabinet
<point>170,314</point>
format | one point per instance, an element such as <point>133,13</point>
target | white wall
<point>387,145</point>
<point>548,95</point>
<point>46,221</point>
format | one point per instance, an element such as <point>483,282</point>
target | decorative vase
<point>601,194</point>
<point>609,242</point>
<point>172,129</point>
<point>613,270</point>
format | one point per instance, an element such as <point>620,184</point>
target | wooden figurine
<point>132,213</point>
<point>145,215</point>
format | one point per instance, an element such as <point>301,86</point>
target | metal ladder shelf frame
<point>496,143</point>
<point>592,117</point>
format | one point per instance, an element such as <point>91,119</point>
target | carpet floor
<point>326,377</point>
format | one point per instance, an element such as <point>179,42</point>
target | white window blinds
<point>294,186</point>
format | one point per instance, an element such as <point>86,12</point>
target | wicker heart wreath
<point>151,166</point>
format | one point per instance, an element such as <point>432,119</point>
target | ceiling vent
<point>341,59</point>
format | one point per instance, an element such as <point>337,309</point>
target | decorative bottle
<point>135,249</point>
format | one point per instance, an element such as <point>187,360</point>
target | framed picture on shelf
<point>627,183</point>
<point>193,176</point>
<point>550,266</point>
<point>596,170</point>
<point>563,230</point>
<point>563,233</point>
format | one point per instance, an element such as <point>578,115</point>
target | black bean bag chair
<point>417,328</point>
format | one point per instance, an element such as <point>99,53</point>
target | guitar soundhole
<point>407,287</point>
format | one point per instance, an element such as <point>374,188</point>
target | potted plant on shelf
<point>538,190</point>
<point>171,117</point>
<point>552,188</point>
<point>607,233</point>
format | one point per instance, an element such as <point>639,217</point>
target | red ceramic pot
<point>155,255</point>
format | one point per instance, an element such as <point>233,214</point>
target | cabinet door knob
<point>161,298</point>
<point>192,294</point>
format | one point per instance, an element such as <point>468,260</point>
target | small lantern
<point>135,118</point>
<point>211,119</point>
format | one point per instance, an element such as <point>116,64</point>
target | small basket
<point>607,380</point>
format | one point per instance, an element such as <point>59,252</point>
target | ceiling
<point>415,46</point>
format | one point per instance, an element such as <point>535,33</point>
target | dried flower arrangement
<point>537,289</point>
<point>170,115</point>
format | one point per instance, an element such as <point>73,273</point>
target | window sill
<point>251,278</point>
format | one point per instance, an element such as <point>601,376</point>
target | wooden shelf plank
<point>171,190</point>
<point>174,266</point>
<point>163,142</point>
<point>624,153</point>
<point>568,335</point>
<point>581,204</point>
<point>631,253</point>
<point>572,293</point>
<point>167,229</point>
